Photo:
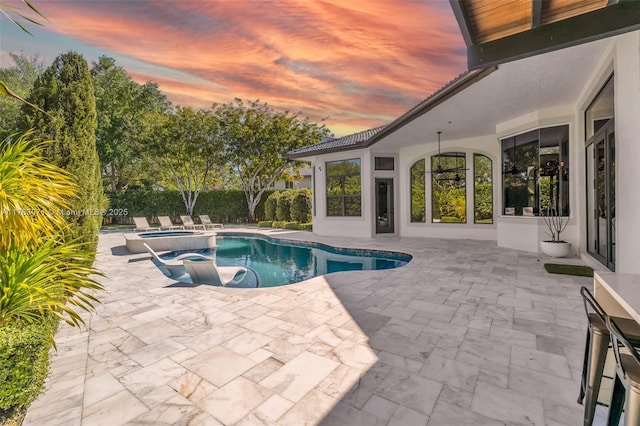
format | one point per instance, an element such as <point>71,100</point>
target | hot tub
<point>170,240</point>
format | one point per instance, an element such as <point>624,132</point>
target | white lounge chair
<point>165,222</point>
<point>204,219</point>
<point>142,224</point>
<point>188,222</point>
<point>174,268</point>
<point>207,272</point>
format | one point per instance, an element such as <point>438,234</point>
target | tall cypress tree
<point>65,91</point>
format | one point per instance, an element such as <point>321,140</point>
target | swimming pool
<point>278,262</point>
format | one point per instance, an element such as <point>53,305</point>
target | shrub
<point>265,224</point>
<point>449,219</point>
<point>301,206</point>
<point>278,223</point>
<point>24,360</point>
<point>305,226</point>
<point>224,206</point>
<point>291,225</point>
<point>270,205</point>
<point>283,210</point>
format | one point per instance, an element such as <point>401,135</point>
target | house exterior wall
<point>486,145</point>
<point>627,126</point>
<point>622,58</point>
<point>525,233</point>
<point>360,226</point>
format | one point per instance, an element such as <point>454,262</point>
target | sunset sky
<point>360,63</point>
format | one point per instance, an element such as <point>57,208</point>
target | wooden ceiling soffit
<point>496,32</point>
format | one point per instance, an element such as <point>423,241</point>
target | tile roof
<point>335,144</point>
<point>369,137</point>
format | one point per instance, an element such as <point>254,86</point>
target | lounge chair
<point>204,219</point>
<point>188,222</point>
<point>207,272</point>
<point>142,224</point>
<point>174,268</point>
<point>165,222</point>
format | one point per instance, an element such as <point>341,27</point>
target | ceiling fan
<point>456,178</point>
<point>439,170</point>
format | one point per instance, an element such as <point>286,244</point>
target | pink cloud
<point>360,62</point>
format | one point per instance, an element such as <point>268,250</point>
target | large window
<point>448,189</point>
<point>482,189</point>
<point>535,172</point>
<point>418,206</point>
<point>344,188</point>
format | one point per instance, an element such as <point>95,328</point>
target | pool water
<point>277,263</point>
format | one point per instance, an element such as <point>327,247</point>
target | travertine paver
<point>465,334</point>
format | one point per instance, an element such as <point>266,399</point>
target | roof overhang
<point>499,31</point>
<point>451,89</point>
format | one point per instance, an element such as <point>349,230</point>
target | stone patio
<point>465,334</point>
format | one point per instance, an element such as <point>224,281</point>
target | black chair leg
<point>585,366</point>
<point>617,403</point>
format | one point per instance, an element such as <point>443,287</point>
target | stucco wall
<point>340,226</point>
<point>627,116</point>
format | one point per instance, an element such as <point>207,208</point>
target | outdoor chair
<point>204,219</point>
<point>595,351</point>
<point>174,268</point>
<point>207,272</point>
<point>165,222</point>
<point>142,224</point>
<point>626,388</point>
<point>188,223</point>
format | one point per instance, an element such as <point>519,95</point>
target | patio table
<point>618,294</point>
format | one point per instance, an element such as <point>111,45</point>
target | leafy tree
<point>124,112</point>
<point>65,91</point>
<point>15,15</point>
<point>185,149</point>
<point>448,195</point>
<point>256,140</point>
<point>418,206</point>
<point>20,77</point>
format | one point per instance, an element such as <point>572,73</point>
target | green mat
<point>557,268</point>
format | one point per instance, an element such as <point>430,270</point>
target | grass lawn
<point>557,268</point>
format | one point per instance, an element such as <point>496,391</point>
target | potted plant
<point>556,223</point>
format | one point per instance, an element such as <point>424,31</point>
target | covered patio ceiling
<point>498,31</point>
<point>517,88</point>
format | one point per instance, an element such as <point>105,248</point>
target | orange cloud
<point>359,62</point>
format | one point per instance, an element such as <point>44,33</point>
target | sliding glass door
<point>601,195</point>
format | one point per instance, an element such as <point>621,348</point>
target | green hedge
<point>270,205</point>
<point>265,224</point>
<point>301,206</point>
<point>24,360</point>
<point>305,226</point>
<point>226,206</point>
<point>283,209</point>
<point>293,225</point>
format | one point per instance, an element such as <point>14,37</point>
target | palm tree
<point>40,273</point>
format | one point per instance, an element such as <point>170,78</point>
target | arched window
<point>418,206</point>
<point>448,189</point>
<point>482,189</point>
